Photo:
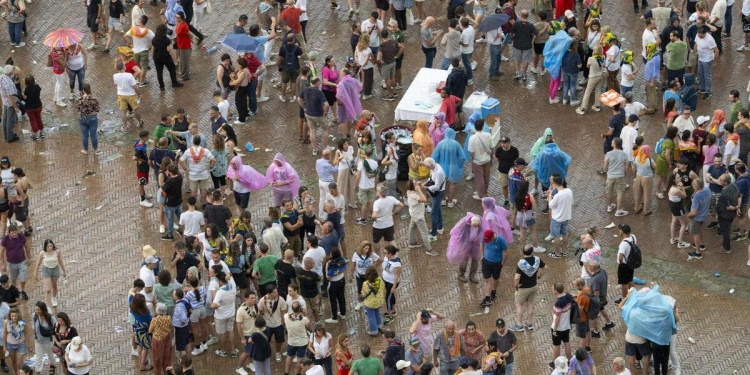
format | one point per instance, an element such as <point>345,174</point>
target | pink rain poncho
<point>246,175</point>
<point>465,240</point>
<point>496,219</point>
<point>437,128</point>
<point>283,173</point>
<point>348,95</point>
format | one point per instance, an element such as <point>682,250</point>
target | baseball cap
<point>350,59</point>
<point>488,235</point>
<point>703,119</point>
<point>463,362</point>
<point>151,260</point>
<point>500,322</point>
<point>521,161</point>
<point>504,140</point>
<point>569,14</point>
<point>75,343</point>
<point>425,314</point>
<point>625,228</point>
<point>414,341</point>
<point>401,364</point>
<point>633,117</point>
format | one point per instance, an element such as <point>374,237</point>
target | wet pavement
<point>97,222</point>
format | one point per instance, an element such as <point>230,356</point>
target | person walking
<point>163,58</point>
<point>50,261</point>
<point>493,249</point>
<point>44,325</point>
<point>88,108</point>
<point>416,199</point>
<point>184,44</point>
<point>708,52</point>
<point>33,106</point>
<point>530,268</point>
<point>480,151</point>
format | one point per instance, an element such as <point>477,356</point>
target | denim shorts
<point>18,348</point>
<point>558,228</point>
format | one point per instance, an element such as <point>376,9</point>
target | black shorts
<point>562,337</point>
<point>378,234</point>
<point>277,332</point>
<point>219,181</point>
<point>539,48</point>
<point>91,23</point>
<point>746,24</point>
<point>582,329</point>
<point>330,96</point>
<point>633,350</point>
<point>301,113</point>
<point>399,61</point>
<point>240,280</point>
<point>383,5</point>
<point>22,213</point>
<point>181,338</point>
<point>676,208</point>
<point>242,200</point>
<point>624,274</point>
<point>490,269</point>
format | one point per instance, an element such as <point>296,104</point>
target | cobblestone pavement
<point>98,223</point>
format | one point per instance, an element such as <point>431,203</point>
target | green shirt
<point>163,294</point>
<point>677,55</point>
<point>398,36</point>
<point>266,267</point>
<point>159,132</point>
<point>734,111</point>
<point>367,366</point>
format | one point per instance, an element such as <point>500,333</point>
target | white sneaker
<point>278,357</point>
<point>331,321</point>
<point>238,122</point>
<point>92,46</point>
<point>263,99</point>
<point>620,213</point>
<point>383,85</point>
<point>543,72</point>
<point>176,226</point>
<point>743,48</point>
<point>358,305</point>
<point>134,352</point>
<point>532,191</point>
<point>503,58</point>
<point>19,45</point>
<point>548,238</point>
<point>197,350</point>
<point>539,249</point>
<point>554,101</point>
<point>146,203</point>
<point>683,245</point>
<point>162,229</point>
<point>474,65</point>
<point>470,177</point>
<point>534,70</point>
<point>212,340</point>
<point>61,104</point>
<point>480,40</point>
<point>611,207</point>
<point>251,367</point>
<point>476,196</point>
<point>54,301</point>
<point>241,371</point>
<point>441,231</point>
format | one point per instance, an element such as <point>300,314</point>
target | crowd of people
<point>282,267</point>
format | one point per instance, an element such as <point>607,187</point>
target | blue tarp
<point>554,50</point>
<point>649,315</point>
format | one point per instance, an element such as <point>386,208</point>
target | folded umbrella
<point>240,43</point>
<point>493,22</point>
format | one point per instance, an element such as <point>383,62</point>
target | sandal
<point>660,196</point>
<point>452,203</point>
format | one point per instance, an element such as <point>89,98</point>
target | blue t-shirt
<point>314,101</point>
<point>493,251</point>
<point>674,95</point>
<point>570,62</point>
<point>715,172</point>
<point>743,185</point>
<point>700,203</point>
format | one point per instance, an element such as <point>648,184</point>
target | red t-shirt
<point>129,67</point>
<point>291,16</point>
<point>449,108</point>
<point>252,64</point>
<point>182,32</point>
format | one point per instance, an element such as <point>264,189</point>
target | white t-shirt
<point>84,355</point>
<point>495,37</point>
<point>315,370</point>
<point>626,69</point>
<point>125,83</point>
<point>147,275</point>
<point>321,347</point>
<point>340,205</point>
<point>718,11</point>
<point>224,267</point>
<point>362,262</point>
<point>223,108</point>
<point>192,221</point>
<point>383,207</point>
<point>375,33</point>
<point>628,136</point>
<point>301,5</point>
<point>746,8</point>
<point>705,47</point>
<point>594,253</point>
<point>225,299</point>
<point>481,145</point>
<point>197,171</point>
<point>318,255</point>
<point>467,37</point>
<point>613,66</point>
<point>648,36</point>
<point>391,153</point>
<point>624,248</point>
<point>141,44</point>
<point>363,58</point>
<point>389,269</point>
<point>633,108</point>
<point>562,205</point>
<point>364,181</point>
<point>299,299</point>
<point>416,208</point>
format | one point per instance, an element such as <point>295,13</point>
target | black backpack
<point>290,63</point>
<point>575,312</point>
<point>595,306</point>
<point>635,258</point>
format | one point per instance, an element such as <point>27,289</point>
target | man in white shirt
<point>624,272</point>
<point>199,161</point>
<point>192,221</point>
<point>316,253</point>
<point>495,42</point>
<point>149,279</point>
<point>591,251</point>
<point>274,237</point>
<point>708,53</point>
<point>141,36</point>
<point>480,149</point>
<point>373,26</point>
<point>437,191</point>
<point>366,173</point>
<point>684,122</point>
<point>561,211</point>
<point>649,36</point>
<point>467,47</point>
<point>613,62</point>
<point>127,95</point>
<point>717,19</point>
<point>745,25</point>
<point>618,364</point>
<point>273,308</point>
<point>383,210</point>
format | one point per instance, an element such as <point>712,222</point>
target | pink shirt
<point>331,75</point>
<point>424,334</point>
<point>708,154</point>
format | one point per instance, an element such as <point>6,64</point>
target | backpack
<point>575,312</point>
<point>290,63</point>
<point>188,308</point>
<point>635,257</point>
<point>659,146</point>
<point>368,170</point>
<point>44,331</point>
<point>595,306</point>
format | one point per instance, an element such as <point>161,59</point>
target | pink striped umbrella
<point>63,38</point>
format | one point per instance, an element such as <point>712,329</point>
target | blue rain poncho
<point>554,50</point>
<point>649,315</point>
<point>450,156</point>
<point>469,130</point>
<point>550,161</point>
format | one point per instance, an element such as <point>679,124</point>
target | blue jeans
<point>436,216</point>
<point>445,63</point>
<point>171,212</point>
<point>569,86</point>
<point>495,59</point>
<point>374,319</point>
<point>625,89</point>
<point>448,368</point>
<point>14,32</point>
<point>466,58</point>
<point>72,74</point>
<point>705,81</point>
<point>429,56</point>
<point>252,88</point>
<point>728,20</point>
<point>89,125</point>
